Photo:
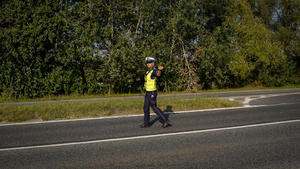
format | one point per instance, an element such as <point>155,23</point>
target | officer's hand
<point>160,67</point>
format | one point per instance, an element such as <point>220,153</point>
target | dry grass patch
<point>76,110</point>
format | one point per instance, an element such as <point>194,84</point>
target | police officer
<point>151,94</point>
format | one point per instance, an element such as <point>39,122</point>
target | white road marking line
<point>247,100</point>
<point>150,136</point>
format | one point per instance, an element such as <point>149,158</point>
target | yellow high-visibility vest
<point>150,84</point>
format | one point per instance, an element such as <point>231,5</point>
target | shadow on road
<point>169,110</point>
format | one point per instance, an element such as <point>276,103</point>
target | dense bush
<point>99,46</point>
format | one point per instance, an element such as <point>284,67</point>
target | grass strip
<point>87,96</point>
<point>46,112</point>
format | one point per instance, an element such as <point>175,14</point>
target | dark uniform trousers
<point>150,101</point>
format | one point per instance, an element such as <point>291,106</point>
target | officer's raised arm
<point>160,68</point>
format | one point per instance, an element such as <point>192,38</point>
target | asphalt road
<point>262,134</point>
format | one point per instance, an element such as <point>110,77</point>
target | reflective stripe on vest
<point>150,84</point>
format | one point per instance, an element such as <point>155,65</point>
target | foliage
<point>8,94</point>
<point>98,47</point>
